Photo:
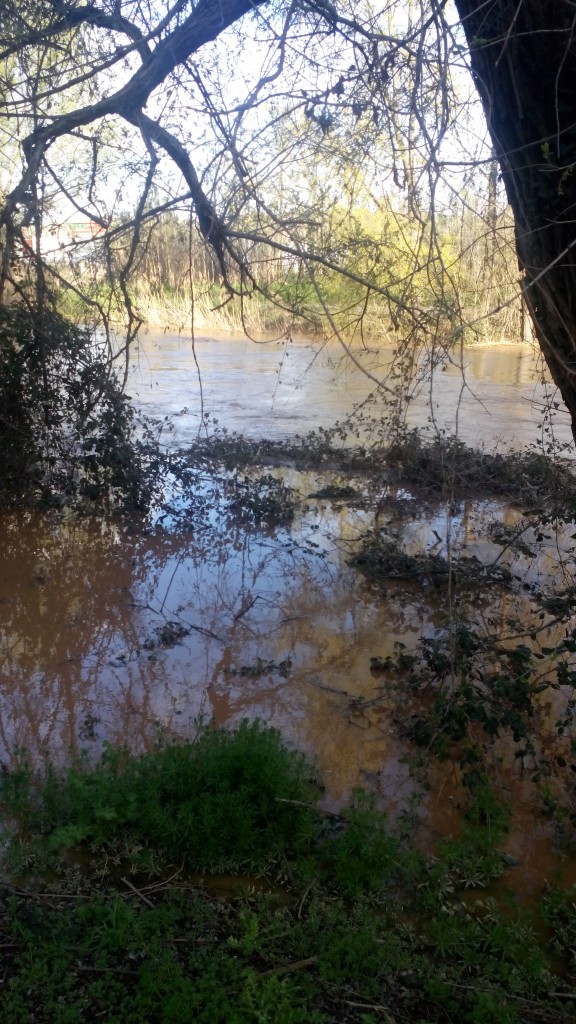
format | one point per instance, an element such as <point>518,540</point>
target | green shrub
<point>367,855</point>
<point>362,928</point>
<point>222,802</point>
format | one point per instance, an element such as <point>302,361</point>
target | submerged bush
<point>381,559</point>
<point>443,466</point>
<point>67,430</point>
<point>264,501</point>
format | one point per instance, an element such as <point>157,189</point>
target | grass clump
<point>221,803</point>
<point>366,856</point>
<point>380,559</point>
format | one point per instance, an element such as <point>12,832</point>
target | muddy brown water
<point>108,635</point>
<point>277,388</point>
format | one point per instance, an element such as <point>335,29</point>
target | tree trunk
<point>523,58</point>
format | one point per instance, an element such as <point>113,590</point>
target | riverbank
<point>121,909</point>
<point>206,308</point>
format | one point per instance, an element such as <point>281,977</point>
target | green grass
<point>331,918</point>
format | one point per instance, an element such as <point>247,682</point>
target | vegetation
<point>435,467</point>
<point>341,918</point>
<point>264,500</point>
<point>483,291</point>
<point>68,433</point>
<point>468,690</point>
<point>111,902</point>
<point>469,686</point>
<point>223,803</point>
<point>380,558</point>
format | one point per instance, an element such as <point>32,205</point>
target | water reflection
<point>110,635</point>
<point>86,654</point>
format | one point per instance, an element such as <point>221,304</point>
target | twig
<point>43,897</point>
<point>246,608</point>
<point>311,807</point>
<point>370,1006</point>
<point>154,886</point>
<point>302,901</point>
<point>512,540</point>
<point>189,625</point>
<point>297,965</point>
<point>87,968</point>
<point>137,892</point>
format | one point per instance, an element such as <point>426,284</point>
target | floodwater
<point>491,395</point>
<point>108,634</point>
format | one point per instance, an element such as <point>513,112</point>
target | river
<point>108,635</point>
<point>491,395</point>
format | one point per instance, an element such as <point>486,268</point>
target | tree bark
<point>523,58</point>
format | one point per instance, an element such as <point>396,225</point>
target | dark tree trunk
<point>523,57</point>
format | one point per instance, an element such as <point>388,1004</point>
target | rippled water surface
<point>279,388</point>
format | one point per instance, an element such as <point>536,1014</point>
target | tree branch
<point>205,23</point>
<point>73,17</point>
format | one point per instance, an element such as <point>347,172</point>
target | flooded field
<point>113,636</point>
<point>110,633</point>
